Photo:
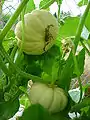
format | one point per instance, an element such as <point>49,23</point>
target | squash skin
<point>37,40</point>
<point>54,99</point>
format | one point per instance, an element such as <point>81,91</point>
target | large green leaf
<point>50,60</point>
<point>43,2</point>
<point>84,103</point>
<point>36,112</point>
<point>30,6</point>
<point>46,3</point>
<point>9,40</point>
<point>69,28</point>
<point>31,64</point>
<point>8,109</point>
<point>66,73</point>
<point>60,116</point>
<point>83,2</point>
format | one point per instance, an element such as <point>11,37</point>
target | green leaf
<point>66,73</point>
<point>1,90</point>
<point>69,28</point>
<point>43,2</point>
<point>55,69</point>
<point>87,22</point>
<point>25,101</point>
<point>36,112</point>
<point>49,59</point>
<point>9,40</point>
<point>10,34</point>
<point>6,44</point>
<point>30,6</point>
<point>8,109</point>
<point>59,1</point>
<point>80,60</point>
<point>33,68</point>
<point>84,103</point>
<point>46,77</point>
<point>82,2</point>
<point>32,64</point>
<point>19,58</point>
<point>1,72</point>
<point>3,2</point>
<point>60,116</point>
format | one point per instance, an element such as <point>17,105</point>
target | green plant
<point>54,67</point>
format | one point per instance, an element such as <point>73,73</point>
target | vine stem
<point>12,55</point>
<point>59,5</point>
<point>12,20</point>
<point>76,41</point>
<point>77,72</point>
<point>80,26</point>
<point>23,35</point>
<point>3,67</point>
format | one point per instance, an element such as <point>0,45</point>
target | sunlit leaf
<point>30,6</point>
<point>24,101</point>
<point>69,28</point>
<point>66,73</point>
<point>43,2</point>
<point>83,2</point>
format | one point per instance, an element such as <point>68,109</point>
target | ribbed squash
<point>52,98</point>
<point>41,29</point>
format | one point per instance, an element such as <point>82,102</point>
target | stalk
<point>59,5</point>
<point>81,25</point>
<point>77,73</point>
<point>76,41</point>
<point>3,67</point>
<point>23,35</point>
<point>13,52</point>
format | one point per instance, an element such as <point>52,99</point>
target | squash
<point>52,98</point>
<point>41,30</point>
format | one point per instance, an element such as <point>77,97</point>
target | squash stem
<point>80,26</point>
